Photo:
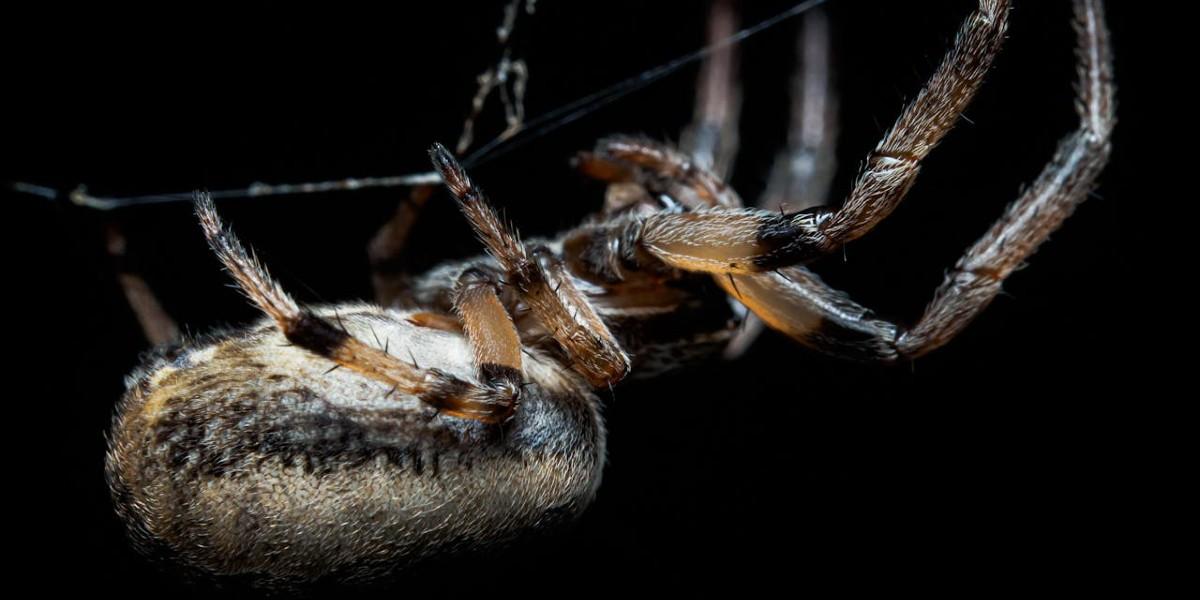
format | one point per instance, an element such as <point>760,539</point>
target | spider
<point>475,382</point>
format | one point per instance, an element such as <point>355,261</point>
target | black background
<point>1015,453</point>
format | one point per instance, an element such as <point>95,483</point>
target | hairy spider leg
<point>659,170</point>
<point>540,282</point>
<point>641,171</point>
<point>491,402</point>
<point>739,241</point>
<point>798,303</point>
<point>802,172</point>
<point>509,77</point>
<point>489,327</point>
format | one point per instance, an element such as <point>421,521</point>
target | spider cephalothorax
<point>459,412</point>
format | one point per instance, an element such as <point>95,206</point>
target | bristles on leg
<point>305,329</point>
<point>245,268</point>
<point>501,241</point>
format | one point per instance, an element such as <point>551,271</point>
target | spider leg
<point>802,172</point>
<point>540,282</point>
<point>641,171</point>
<point>660,169</point>
<point>490,403</point>
<point>489,327</point>
<point>797,303</point>
<point>726,240</point>
<point>508,77</point>
<point>712,137</point>
<point>158,326</point>
<point>386,248</point>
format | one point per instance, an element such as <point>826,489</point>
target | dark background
<point>1017,452</point>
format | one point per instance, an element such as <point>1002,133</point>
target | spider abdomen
<point>248,456</point>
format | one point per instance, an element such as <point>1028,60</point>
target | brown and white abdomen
<point>245,455</point>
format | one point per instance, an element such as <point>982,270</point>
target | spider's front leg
<point>795,301</point>
<point>541,282</point>
<point>730,241</point>
<point>489,330</point>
